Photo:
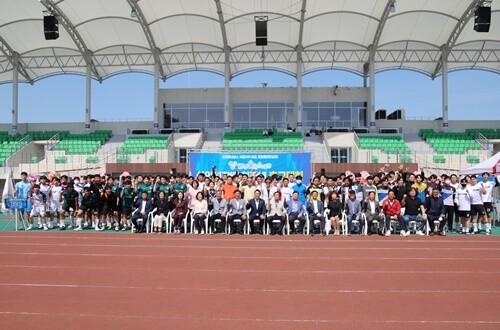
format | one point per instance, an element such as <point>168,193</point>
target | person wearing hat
<point>353,212</point>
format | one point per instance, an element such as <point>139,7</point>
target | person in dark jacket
<point>162,208</point>
<point>435,212</point>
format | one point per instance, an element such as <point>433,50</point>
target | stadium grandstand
<point>303,38</point>
<point>324,141</point>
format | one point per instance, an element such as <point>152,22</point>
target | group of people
<point>351,203</point>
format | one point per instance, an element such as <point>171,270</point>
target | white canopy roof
<point>201,34</point>
<point>490,165</point>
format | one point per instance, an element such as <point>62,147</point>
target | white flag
<point>8,191</point>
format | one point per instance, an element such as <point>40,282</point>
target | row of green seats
<point>439,159</point>
<point>489,133</point>
<point>472,159</point>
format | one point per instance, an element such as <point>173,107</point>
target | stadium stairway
<point>213,142</point>
<point>415,142</point>
<point>319,152</point>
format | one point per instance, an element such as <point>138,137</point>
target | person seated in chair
<point>315,210</point>
<point>392,211</point>
<point>414,211</point>
<point>276,212</point>
<point>218,212</point>
<point>257,207</point>
<point>143,206</point>
<point>295,209</point>
<point>372,211</point>
<point>237,207</point>
<point>353,212</point>
<point>436,210</point>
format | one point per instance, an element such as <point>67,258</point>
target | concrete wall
<point>116,127</point>
<point>268,94</point>
<point>413,126</point>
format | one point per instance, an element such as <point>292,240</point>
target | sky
<point>473,94</point>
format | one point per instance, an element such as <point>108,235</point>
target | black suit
<point>257,209</point>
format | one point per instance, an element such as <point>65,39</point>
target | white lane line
<point>244,320</point>
<point>265,271</point>
<point>163,256</point>
<point>253,247</point>
<point>284,239</point>
<point>125,287</point>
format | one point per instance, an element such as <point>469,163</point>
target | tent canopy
<point>491,165</point>
<point>116,36</point>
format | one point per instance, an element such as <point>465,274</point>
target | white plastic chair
<point>170,221</point>
<point>149,221</point>
<point>206,224</point>
<point>325,214</point>
<point>216,221</point>
<point>296,222</point>
<point>267,229</point>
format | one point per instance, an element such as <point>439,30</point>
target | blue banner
<point>267,164</point>
<point>20,204</point>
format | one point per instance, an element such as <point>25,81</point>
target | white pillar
<point>444,69</point>
<point>372,95</point>
<point>156,86</point>
<point>227,94</point>
<point>88,98</point>
<point>15,94</point>
<point>298,106</point>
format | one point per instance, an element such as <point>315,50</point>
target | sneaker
<point>96,228</point>
<point>29,227</point>
<point>62,228</point>
<point>475,232</point>
<point>402,233</point>
<point>45,228</point>
<point>78,228</point>
<point>85,225</point>
<point>117,228</point>
<point>49,225</point>
<point>388,233</point>
<point>419,233</point>
<point>124,228</point>
<point>407,233</point>
<point>70,226</point>
<point>488,232</point>
<point>40,227</point>
<point>109,227</point>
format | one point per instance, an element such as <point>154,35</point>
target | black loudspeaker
<point>482,19</point>
<point>261,33</point>
<point>50,27</point>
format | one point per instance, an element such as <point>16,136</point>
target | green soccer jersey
<point>163,187</point>
<point>179,187</point>
<point>147,188</point>
<point>69,197</point>
<point>116,189</point>
<point>128,197</point>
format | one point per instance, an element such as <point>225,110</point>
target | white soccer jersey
<point>38,199</point>
<point>447,194</point>
<point>476,192</point>
<point>55,194</point>
<point>286,193</point>
<point>488,197</point>
<point>463,199</point>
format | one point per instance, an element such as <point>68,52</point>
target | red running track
<point>83,280</point>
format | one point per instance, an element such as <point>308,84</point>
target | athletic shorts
<point>38,210</point>
<point>477,209</point>
<point>55,207</point>
<point>464,214</point>
<point>107,210</point>
<point>488,207</point>
<point>67,208</point>
<point>127,211</point>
